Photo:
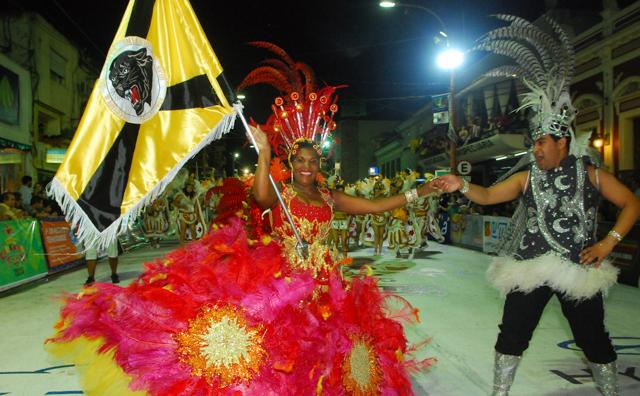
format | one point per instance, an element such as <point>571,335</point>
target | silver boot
<point>504,370</point>
<point>606,378</point>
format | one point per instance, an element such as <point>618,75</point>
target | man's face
<point>548,152</point>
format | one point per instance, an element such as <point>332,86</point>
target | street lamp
<point>449,59</point>
<point>393,4</point>
<point>598,141</point>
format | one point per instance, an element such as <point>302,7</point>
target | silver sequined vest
<point>561,207</point>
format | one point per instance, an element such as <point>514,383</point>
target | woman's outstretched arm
<point>356,205</point>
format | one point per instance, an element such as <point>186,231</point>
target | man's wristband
<point>615,235</point>
<point>465,186</point>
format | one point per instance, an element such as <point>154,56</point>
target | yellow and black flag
<point>159,100</point>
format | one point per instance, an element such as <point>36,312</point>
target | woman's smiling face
<point>305,165</point>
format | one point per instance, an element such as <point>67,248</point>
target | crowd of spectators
<point>458,204</point>
<point>30,201</point>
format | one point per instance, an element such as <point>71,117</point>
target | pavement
<point>459,313</point>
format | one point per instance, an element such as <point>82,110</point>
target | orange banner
<point>60,248</point>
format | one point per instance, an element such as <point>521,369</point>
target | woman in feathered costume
<point>227,315</point>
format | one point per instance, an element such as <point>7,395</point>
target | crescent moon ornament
<point>558,227</point>
<point>523,245</point>
<point>558,183</point>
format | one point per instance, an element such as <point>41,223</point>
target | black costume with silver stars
<point>561,206</point>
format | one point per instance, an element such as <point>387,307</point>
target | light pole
<point>449,59</point>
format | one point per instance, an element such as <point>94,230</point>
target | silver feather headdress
<point>544,63</point>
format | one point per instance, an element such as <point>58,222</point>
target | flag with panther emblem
<point>159,99</point>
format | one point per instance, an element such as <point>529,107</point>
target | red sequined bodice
<point>313,223</point>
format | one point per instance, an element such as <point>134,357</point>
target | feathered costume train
<point>237,315</point>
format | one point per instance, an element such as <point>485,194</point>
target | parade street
<point>459,313</point>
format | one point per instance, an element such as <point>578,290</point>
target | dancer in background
<point>339,225</point>
<point>155,221</point>
<point>190,222</point>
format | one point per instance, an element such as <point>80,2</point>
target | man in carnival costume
<point>550,246</point>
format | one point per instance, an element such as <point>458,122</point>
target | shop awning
<point>482,150</point>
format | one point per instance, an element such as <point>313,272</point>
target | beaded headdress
<point>303,113</point>
<point>544,63</point>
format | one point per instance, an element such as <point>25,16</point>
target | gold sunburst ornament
<point>360,372</point>
<point>220,344</point>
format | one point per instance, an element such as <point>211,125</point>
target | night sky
<point>385,56</point>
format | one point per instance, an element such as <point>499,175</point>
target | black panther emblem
<point>131,74</point>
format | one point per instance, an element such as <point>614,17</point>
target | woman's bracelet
<point>615,235</point>
<point>465,186</point>
<point>411,195</point>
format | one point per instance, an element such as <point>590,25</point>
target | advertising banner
<point>440,108</point>
<point>467,230</point>
<point>494,227</point>
<point>61,250</point>
<point>21,254</point>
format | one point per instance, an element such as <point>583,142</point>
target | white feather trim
<point>575,281</point>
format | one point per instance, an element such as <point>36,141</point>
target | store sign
<point>10,158</point>
<point>55,155</point>
<point>464,167</point>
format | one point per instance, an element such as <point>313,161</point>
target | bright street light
<point>387,4</point>
<point>241,96</point>
<point>598,142</point>
<point>450,59</point>
<point>236,155</point>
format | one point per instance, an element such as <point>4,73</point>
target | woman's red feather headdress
<point>303,112</point>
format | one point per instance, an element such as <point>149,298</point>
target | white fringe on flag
<point>577,282</point>
<point>88,234</point>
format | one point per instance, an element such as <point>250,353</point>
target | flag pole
<point>302,247</point>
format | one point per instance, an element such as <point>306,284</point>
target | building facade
<point>55,80</point>
<point>606,91</point>
<point>606,87</point>
<point>358,141</point>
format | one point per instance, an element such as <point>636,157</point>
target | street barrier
<point>22,256</point>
